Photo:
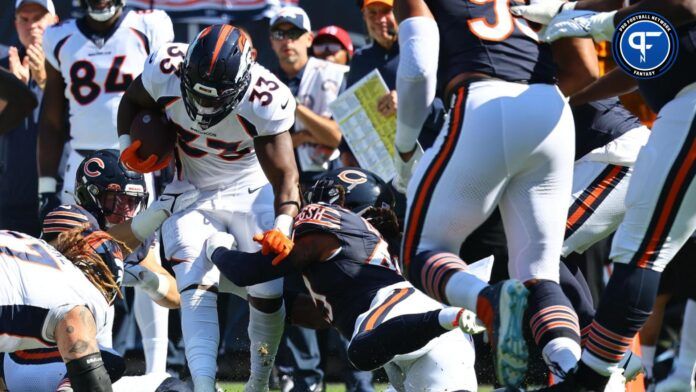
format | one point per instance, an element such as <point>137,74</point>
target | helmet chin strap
<point>102,15</point>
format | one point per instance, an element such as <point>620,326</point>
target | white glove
<point>147,222</point>
<point>219,240</point>
<point>542,11</point>
<point>152,283</point>
<point>598,25</point>
<point>404,170</point>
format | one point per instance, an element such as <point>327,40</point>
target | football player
<point>42,369</point>
<point>60,297</point>
<point>661,200</point>
<point>341,240</point>
<point>509,143</point>
<point>232,117</point>
<point>90,62</point>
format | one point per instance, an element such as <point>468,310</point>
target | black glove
<point>48,201</point>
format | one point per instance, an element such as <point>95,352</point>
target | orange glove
<point>130,160</point>
<point>274,241</point>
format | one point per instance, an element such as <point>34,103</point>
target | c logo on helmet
<point>94,173</point>
<point>352,177</point>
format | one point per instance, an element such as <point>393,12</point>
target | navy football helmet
<point>216,73</point>
<point>109,191</point>
<point>101,10</point>
<point>361,190</point>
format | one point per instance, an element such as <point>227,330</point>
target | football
<point>155,133</point>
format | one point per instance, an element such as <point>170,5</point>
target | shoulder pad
<point>268,103</point>
<point>54,38</point>
<point>161,66</point>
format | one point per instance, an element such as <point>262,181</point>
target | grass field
<point>239,387</point>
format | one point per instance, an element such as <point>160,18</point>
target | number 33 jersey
<point>98,68</point>
<point>222,154</point>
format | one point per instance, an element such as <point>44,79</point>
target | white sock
<point>416,78</point>
<point>265,331</point>
<point>199,325</point>
<point>599,365</point>
<point>448,317</point>
<point>561,355</point>
<point>647,357</point>
<point>153,322</point>
<point>462,290</point>
<point>684,363</point>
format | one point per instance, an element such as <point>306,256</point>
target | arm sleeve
<point>246,269</point>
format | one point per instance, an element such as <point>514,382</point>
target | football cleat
<point>501,307</point>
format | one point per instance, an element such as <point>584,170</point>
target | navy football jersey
<point>347,282</point>
<point>658,91</point>
<point>598,123</point>
<point>482,36</point>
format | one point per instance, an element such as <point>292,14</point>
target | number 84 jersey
<point>223,154</point>
<point>98,68</point>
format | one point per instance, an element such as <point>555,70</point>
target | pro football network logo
<point>645,45</point>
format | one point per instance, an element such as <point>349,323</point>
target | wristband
<point>47,185</point>
<point>283,222</point>
<point>159,292</point>
<point>124,141</point>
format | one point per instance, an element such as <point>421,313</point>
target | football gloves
<point>130,159</point>
<point>275,241</point>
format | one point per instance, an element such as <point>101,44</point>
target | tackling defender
<point>342,239</point>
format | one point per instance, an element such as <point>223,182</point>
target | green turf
<point>239,387</point>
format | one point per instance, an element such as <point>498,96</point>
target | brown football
<point>156,134</point>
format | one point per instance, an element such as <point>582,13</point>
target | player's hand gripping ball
<point>153,139</point>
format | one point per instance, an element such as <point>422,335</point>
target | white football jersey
<point>37,285</point>
<point>223,154</point>
<point>97,69</point>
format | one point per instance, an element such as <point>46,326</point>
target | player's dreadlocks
<point>80,249</point>
<point>383,219</point>
<point>386,222</point>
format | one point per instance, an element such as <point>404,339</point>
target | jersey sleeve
<point>159,29</point>
<point>268,105</point>
<point>160,66</point>
<point>317,218</point>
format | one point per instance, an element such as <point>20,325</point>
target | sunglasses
<point>326,48</point>
<point>293,34</point>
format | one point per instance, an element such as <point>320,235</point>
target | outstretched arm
<point>245,269</point>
